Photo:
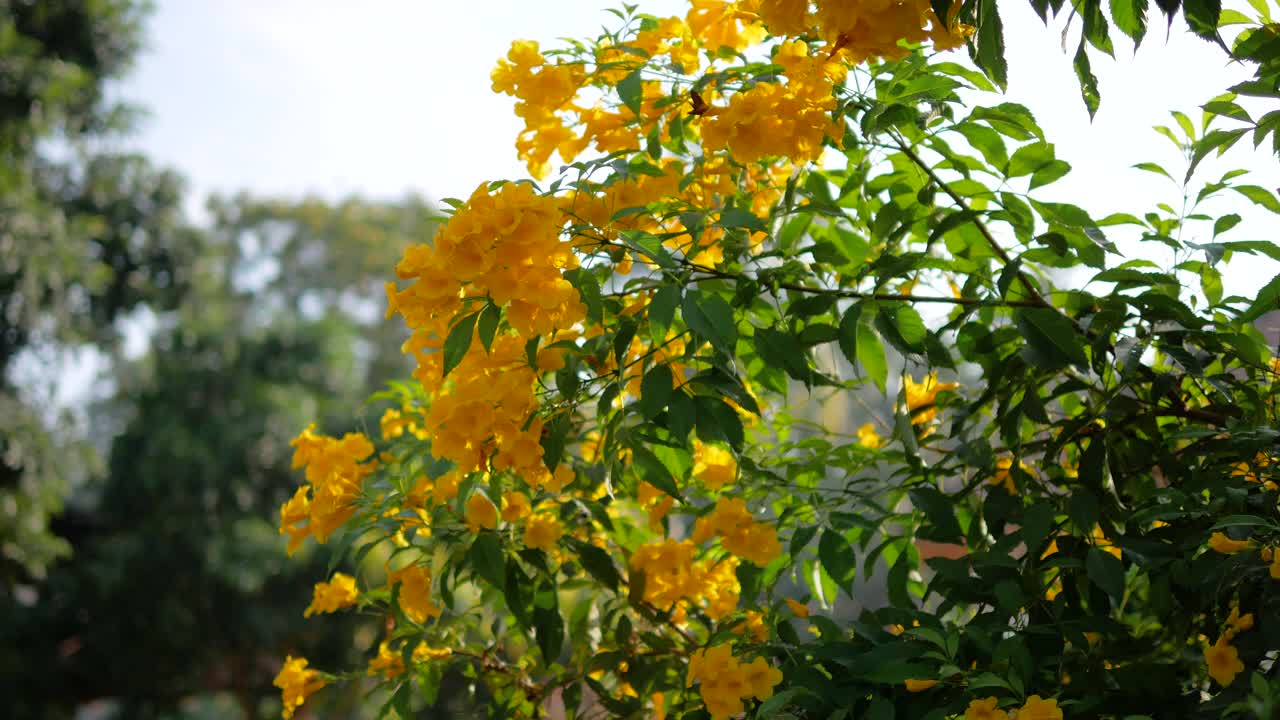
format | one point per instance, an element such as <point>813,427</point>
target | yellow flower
<point>296,683</point>
<point>1004,474</point>
<point>985,709</point>
<point>754,626</point>
<point>390,664</point>
<point>714,466</point>
<point>800,610</point>
<point>1037,708</point>
<point>1103,543</point>
<point>332,596</point>
<point>415,592</point>
<point>514,506</point>
<point>922,396</point>
<point>481,512</point>
<point>916,686</point>
<point>425,652</point>
<point>1223,661</point>
<point>542,531</point>
<point>1237,623</point>
<point>868,437</point>
<point>1225,545</point>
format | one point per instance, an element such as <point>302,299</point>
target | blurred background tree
<point>86,237</point>
<point>140,572</point>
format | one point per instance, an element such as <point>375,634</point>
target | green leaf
<point>1154,168</point>
<point>487,558</point>
<point>1268,299</point>
<point>715,420</point>
<point>655,391</point>
<point>1259,196</point>
<point>1088,83</point>
<point>631,91</point>
<point>589,288</point>
<point>1051,172</point>
<point>939,511</point>
<point>989,44</point>
<point>838,558</point>
<point>487,324</point>
<point>597,561</point>
<point>1225,223</point>
<point>782,350</point>
<point>651,470</point>
<point>1131,17</point>
<point>1051,338</point>
<point>1211,283</point>
<point>862,346</point>
<point>903,326</point>
<point>1202,17</point>
<point>548,625</point>
<point>741,218</point>
<point>709,316</point>
<point>1030,158</point>
<point>458,342</point>
<point>662,310</point>
<point>1107,572</point>
<point>986,141</point>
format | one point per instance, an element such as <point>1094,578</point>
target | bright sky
<point>386,97</point>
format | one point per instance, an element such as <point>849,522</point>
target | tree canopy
<point>602,496</point>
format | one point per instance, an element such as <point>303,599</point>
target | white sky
<point>390,96</point>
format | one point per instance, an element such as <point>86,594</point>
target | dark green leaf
<point>938,510</point>
<point>709,316</point>
<point>1107,572</point>
<point>487,324</point>
<point>662,310</point>
<point>989,44</point>
<point>838,558</point>
<point>1088,83</point>
<point>458,342</point>
<point>589,288</point>
<point>1051,338</point>
<point>487,558</point>
<point>655,391</point>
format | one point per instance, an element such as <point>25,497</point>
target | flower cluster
<point>791,119</point>
<point>671,578</point>
<point>725,682</point>
<point>714,466</point>
<point>862,30</point>
<point>1036,708</point>
<point>1222,658</point>
<point>335,470</point>
<point>739,532</point>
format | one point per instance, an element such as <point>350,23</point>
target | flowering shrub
<point>1071,492</point>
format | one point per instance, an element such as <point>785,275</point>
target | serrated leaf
<point>838,559</point>
<point>939,512</point>
<point>708,315</point>
<point>1051,337</point>
<point>1131,17</point>
<point>1088,82</point>
<point>662,310</point>
<point>487,558</point>
<point>655,391</point>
